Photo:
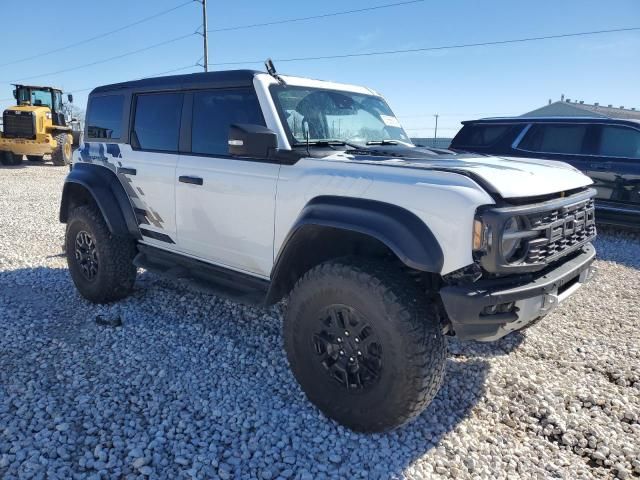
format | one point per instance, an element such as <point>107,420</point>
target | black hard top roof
<point>228,78</point>
<point>618,121</point>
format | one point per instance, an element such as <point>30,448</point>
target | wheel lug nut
<point>351,359</point>
<point>341,352</point>
<point>357,340</point>
<point>339,340</point>
<point>346,333</point>
<point>359,353</point>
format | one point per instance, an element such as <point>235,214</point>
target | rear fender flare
<point>108,194</point>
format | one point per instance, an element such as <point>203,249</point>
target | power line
<point>302,19</point>
<point>132,52</point>
<point>158,74</point>
<point>173,70</point>
<point>102,35</point>
<point>427,49</point>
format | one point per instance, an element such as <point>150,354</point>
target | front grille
<point>560,231</point>
<point>18,124</point>
<point>550,229</point>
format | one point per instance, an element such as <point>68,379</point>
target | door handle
<point>191,180</point>
<point>127,171</point>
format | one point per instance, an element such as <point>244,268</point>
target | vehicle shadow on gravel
<point>214,373</point>
<point>618,245</point>
<point>504,346</point>
<point>13,167</point>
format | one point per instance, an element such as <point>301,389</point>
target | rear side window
<point>104,119</point>
<point>214,111</point>
<point>480,135</point>
<point>156,125</point>
<point>568,139</point>
<point>619,142</point>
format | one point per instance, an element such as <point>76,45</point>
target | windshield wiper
<point>384,142</point>
<point>330,143</point>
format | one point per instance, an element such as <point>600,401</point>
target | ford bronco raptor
<point>266,187</point>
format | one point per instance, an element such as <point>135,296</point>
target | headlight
<point>481,236</point>
<point>511,240</point>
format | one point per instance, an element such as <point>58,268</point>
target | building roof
<point>567,108</point>
<point>632,122</point>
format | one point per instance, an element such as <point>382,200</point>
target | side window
<point>481,135</point>
<point>156,125</point>
<point>214,111</point>
<point>619,142</point>
<point>568,139</point>
<point>104,119</point>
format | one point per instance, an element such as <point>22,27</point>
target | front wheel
<point>101,264</point>
<point>364,344</point>
<point>61,155</point>
<point>10,158</point>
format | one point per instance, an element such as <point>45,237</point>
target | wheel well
<point>312,245</point>
<point>74,196</point>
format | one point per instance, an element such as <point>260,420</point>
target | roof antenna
<point>271,70</point>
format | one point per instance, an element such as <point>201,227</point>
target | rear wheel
<point>364,344</point>
<point>10,158</point>
<point>101,264</point>
<point>35,158</point>
<point>62,153</point>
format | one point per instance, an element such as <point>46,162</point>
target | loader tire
<point>62,154</point>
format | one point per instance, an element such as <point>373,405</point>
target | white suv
<point>264,187</point>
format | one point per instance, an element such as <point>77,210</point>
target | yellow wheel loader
<point>38,126</point>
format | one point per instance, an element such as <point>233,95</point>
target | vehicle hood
<point>510,177</point>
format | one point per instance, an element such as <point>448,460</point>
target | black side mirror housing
<point>70,98</point>
<point>253,141</point>
<point>15,94</point>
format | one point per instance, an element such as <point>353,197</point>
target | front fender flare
<point>408,237</point>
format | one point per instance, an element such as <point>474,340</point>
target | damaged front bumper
<point>490,309</point>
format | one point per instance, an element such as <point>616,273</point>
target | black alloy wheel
<point>86,255</point>
<point>348,348</point>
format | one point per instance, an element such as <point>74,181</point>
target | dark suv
<point>607,150</point>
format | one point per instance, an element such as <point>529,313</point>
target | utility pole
<point>435,133</point>
<point>204,36</point>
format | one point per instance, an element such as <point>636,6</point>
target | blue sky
<point>456,84</point>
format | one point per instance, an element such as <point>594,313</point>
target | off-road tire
<point>412,344</point>
<point>61,155</point>
<point>35,158</point>
<point>10,158</point>
<point>116,273</point>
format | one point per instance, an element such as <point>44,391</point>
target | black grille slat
<point>18,125</point>
<point>560,231</point>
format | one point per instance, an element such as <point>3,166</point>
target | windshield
<point>330,115</point>
<point>35,97</point>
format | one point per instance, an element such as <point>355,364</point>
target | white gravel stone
<point>194,386</point>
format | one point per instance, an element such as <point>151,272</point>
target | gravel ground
<point>192,386</point>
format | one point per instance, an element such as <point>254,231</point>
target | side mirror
<point>15,94</point>
<point>254,141</point>
<point>70,98</point>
